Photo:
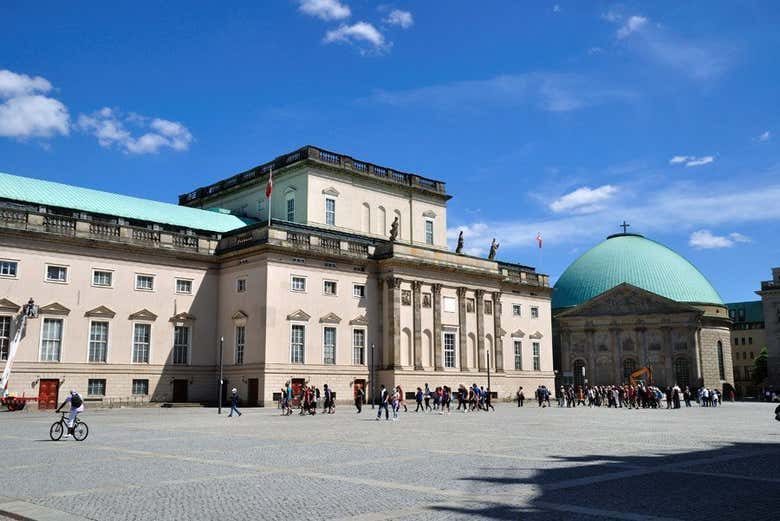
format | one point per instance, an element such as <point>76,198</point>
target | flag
<point>539,239</point>
<point>270,186</point>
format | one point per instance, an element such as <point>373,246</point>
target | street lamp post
<point>219,386</point>
<point>371,374</point>
<point>488,371</point>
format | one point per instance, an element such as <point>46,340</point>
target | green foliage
<point>760,367</point>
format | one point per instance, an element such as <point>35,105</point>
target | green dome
<point>637,261</point>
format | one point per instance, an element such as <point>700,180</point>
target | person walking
<point>401,399</point>
<point>427,397</point>
<point>234,403</point>
<point>488,405</point>
<point>396,402</point>
<point>520,396</point>
<point>359,395</point>
<point>327,406</point>
<point>418,397</point>
<point>383,403</point>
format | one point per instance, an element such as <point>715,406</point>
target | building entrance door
<point>359,384</point>
<point>47,393</point>
<point>253,392</point>
<point>297,387</point>
<point>180,390</point>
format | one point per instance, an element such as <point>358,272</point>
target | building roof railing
<point>317,155</point>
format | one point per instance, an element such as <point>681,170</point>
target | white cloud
<point>556,8</point>
<point>358,33</point>
<point>110,128</point>
<point>547,91</point>
<point>765,136</point>
<point>25,112</point>
<point>689,161</point>
<point>584,199</point>
<point>403,19</point>
<point>325,9</point>
<point>633,24</point>
<point>705,239</point>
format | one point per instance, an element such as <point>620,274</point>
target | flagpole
<point>269,193</point>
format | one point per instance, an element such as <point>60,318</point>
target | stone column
<point>480,309</point>
<point>590,374</point>
<point>498,340</point>
<point>614,348</point>
<point>394,312</point>
<point>438,358</point>
<point>383,331</point>
<point>666,334</point>
<point>698,375</point>
<point>416,315</point>
<point>462,333</point>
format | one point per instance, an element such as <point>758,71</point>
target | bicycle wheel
<point>80,431</point>
<point>55,433</point>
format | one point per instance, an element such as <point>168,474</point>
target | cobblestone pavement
<point>530,463</point>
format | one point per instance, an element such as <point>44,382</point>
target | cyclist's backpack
<point>75,401</point>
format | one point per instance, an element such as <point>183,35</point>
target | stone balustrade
<point>83,228</point>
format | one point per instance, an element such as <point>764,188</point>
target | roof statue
<point>459,247</point>
<point>394,229</point>
<point>493,249</point>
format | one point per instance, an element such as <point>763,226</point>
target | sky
<point>560,118</point>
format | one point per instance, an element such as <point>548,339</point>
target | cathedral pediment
<point>330,318</point>
<point>100,312</point>
<point>7,305</point>
<point>299,315</point>
<point>626,299</point>
<point>55,308</point>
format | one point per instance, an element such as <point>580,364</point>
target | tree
<point>760,367</point>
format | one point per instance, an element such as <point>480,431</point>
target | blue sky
<point>556,117</point>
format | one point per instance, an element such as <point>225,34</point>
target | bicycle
<point>80,429</point>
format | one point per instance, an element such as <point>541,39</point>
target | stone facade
<point>770,297</point>
<point>748,338</point>
<point>130,315</point>
<point>628,328</point>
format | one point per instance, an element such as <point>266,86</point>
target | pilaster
<point>498,333</point>
<point>462,333</point>
<point>480,295</point>
<point>438,358</point>
<point>417,333</point>
<point>394,300</point>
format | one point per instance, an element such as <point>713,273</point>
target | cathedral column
<point>498,340</point>
<point>394,298</point>
<point>438,362</point>
<point>666,333</point>
<point>462,334</point>
<point>617,357</point>
<point>383,333</point>
<point>480,308</point>
<point>699,377</point>
<point>416,317</point>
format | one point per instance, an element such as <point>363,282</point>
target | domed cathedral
<point>631,303</point>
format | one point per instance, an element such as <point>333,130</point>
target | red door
<point>47,393</point>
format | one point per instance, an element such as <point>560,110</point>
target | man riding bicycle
<point>76,406</point>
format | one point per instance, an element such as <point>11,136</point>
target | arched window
<point>721,365</point>
<point>579,372</point>
<point>681,373</point>
<point>629,366</point>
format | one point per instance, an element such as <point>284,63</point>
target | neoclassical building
<point>770,300</point>
<point>135,296</point>
<point>630,302</point>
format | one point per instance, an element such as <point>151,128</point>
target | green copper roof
<point>753,311</point>
<point>637,261</point>
<point>47,193</point>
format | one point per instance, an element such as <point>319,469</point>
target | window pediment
<point>100,312</point>
<point>359,320</point>
<point>518,334</point>
<point>299,315</point>
<point>536,336</point>
<point>184,316</point>
<point>330,318</point>
<point>7,305</point>
<point>55,308</point>
<point>429,213</point>
<point>143,314</point>
<point>331,191</point>
<point>239,315</point>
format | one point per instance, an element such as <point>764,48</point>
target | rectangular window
<point>56,274</point>
<point>359,290</point>
<point>8,268</point>
<point>358,347</point>
<point>102,278</point>
<point>51,340</point>
<point>537,357</point>
<point>297,343</point>
<point>488,307</point>
<point>181,345</point>
<point>96,387</point>
<point>517,310</point>
<point>98,342</point>
<point>329,287</point>
<point>428,232</point>
<point>518,355</point>
<point>750,340</point>
<point>184,286</point>
<point>534,312</point>
<point>5,336</point>
<point>240,285</point>
<point>450,304</point>
<point>449,349</point>
<point>240,341</point>
<point>751,355</point>
<point>298,284</point>
<point>329,346</point>
<point>330,212</point>
<point>469,305</point>
<point>291,209</point>
<point>142,336</point>
<point>144,282</point>
<point>140,387</point>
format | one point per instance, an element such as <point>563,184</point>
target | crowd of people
<point>640,396</point>
<point>308,398</point>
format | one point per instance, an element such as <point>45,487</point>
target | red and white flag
<point>270,186</point>
<point>539,239</point>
